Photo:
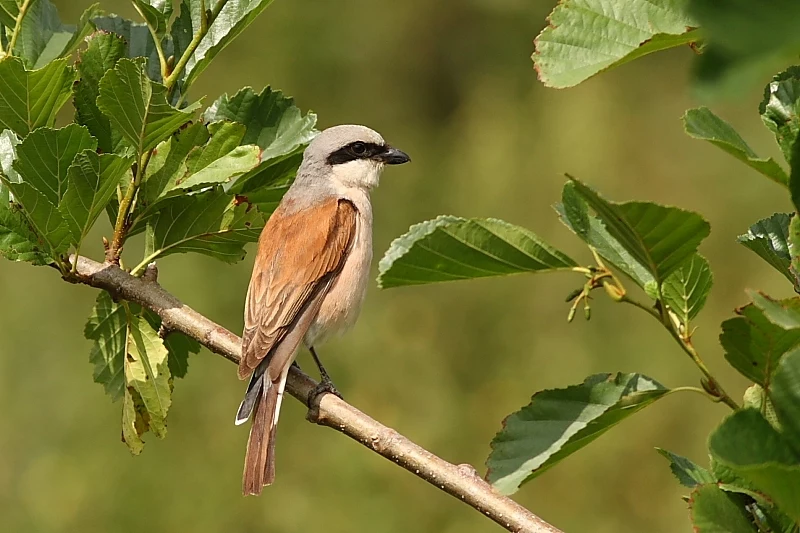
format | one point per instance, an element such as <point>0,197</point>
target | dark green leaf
<point>42,36</point>
<point>785,314</point>
<point>44,218</point>
<point>92,181</point>
<point>266,185</point>
<point>139,42</point>
<point>9,11</point>
<point>179,347</point>
<point>451,248</point>
<point>585,37</point>
<point>703,124</point>
<point>45,155</point>
<point>231,21</point>
<point>779,109</point>
<point>688,473</point>
<point>102,53</point>
<point>107,327</point>
<point>716,511</point>
<point>659,238</point>
<point>769,238</point>
<point>31,99</point>
<point>686,289</point>
<point>559,422</point>
<point>794,244</point>
<point>754,345</point>
<point>209,223</point>
<point>749,42</point>
<point>157,14</point>
<point>273,121</point>
<point>785,396</point>
<point>747,444</point>
<point>138,106</point>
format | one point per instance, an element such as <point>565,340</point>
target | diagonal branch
<point>460,481</point>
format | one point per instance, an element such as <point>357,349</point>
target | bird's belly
<point>340,307</point>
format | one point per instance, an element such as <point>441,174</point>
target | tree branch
<point>460,481</point>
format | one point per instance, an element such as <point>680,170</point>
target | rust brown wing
<point>298,255</point>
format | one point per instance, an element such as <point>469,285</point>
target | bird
<point>309,278</point>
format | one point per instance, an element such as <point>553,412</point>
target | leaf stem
<point>121,226</point>
<point>162,59</point>
<point>23,10</point>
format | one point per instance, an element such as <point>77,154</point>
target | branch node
<point>150,273</point>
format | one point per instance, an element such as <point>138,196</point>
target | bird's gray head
<point>350,156</point>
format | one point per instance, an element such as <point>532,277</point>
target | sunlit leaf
<point>559,422</point>
<point>716,511</point>
<point>686,289</point>
<point>780,107</point>
<point>138,40</point>
<point>769,238</point>
<point>30,99</point>
<point>703,124</point>
<point>157,13</point>
<point>688,473</point>
<point>451,248</point>
<point>585,37</point>
<point>44,217</point>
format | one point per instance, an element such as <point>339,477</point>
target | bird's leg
<point>326,384</point>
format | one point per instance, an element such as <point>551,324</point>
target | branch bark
<point>460,481</point>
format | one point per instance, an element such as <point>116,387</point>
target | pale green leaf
<point>559,422</point>
<point>715,511</point>
<point>452,248</point>
<point>266,185</point>
<point>686,289</point>
<point>31,99</point>
<point>769,238</point>
<point>585,37</point>
<point>237,162</point>
<point>688,473</point>
<point>701,123</point>
<point>785,314</point>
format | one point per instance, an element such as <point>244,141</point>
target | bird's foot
<point>325,386</point>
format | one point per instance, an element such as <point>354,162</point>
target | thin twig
<point>121,226</point>
<point>460,481</point>
<point>23,10</point>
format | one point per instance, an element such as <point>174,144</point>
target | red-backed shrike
<point>309,278</point>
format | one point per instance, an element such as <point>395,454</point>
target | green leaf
<point>716,511</point>
<point>139,42</point>
<point>585,37</point>
<point>44,217</point>
<point>92,181</point>
<point>179,347</point>
<point>574,213</point>
<point>769,238</point>
<point>102,53</point>
<point>107,327</point>
<point>748,42</point>
<point>235,16</point>
<point>747,444</point>
<point>273,122</point>
<point>559,422</point>
<point>138,107</point>
<point>31,99</point>
<point>8,154</point>
<point>451,248</point>
<point>794,244</point>
<point>703,124</point>
<point>686,289</point>
<point>210,223</point>
<point>157,14</point>
<point>688,473</point>
<point>785,314</point>
<point>657,237</point>
<point>9,11</point>
<point>785,396</point>
<point>265,186</point>
<point>45,155</point>
<point>780,108</point>
<point>754,344</point>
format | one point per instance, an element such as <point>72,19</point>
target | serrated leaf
<point>659,238</point>
<point>138,106</point>
<point>785,396</point>
<point>235,16</point>
<point>748,42</point>
<point>780,108</point>
<point>107,327</point>
<point>585,37</point>
<point>769,238</point>
<point>139,42</point>
<point>688,473</point>
<point>44,217</point>
<point>715,511</point>
<point>266,184</point>
<point>273,122</point>
<point>747,444</point>
<point>92,180</point>
<point>102,53</point>
<point>701,123</point>
<point>452,248</point>
<point>210,223</point>
<point>754,345</point>
<point>559,422</point>
<point>686,289</point>
<point>31,99</point>
<point>45,155</point>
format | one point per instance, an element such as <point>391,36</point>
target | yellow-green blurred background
<point>451,83</point>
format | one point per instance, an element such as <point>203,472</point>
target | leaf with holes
<point>686,289</point>
<point>702,124</point>
<point>769,239</point>
<point>585,37</point>
<point>452,248</point>
<point>138,107</point>
<point>559,422</point>
<point>30,99</point>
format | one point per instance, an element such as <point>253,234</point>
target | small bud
<point>170,64</point>
<point>571,314</point>
<point>574,294</point>
<point>587,311</point>
<point>613,291</point>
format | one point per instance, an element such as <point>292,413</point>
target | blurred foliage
<point>441,364</point>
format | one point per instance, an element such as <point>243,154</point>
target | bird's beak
<point>393,156</point>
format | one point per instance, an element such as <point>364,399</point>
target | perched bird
<point>309,278</point>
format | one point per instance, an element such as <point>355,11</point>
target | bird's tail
<point>259,462</point>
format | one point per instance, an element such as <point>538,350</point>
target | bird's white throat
<point>360,173</point>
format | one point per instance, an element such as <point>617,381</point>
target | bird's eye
<point>359,148</point>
